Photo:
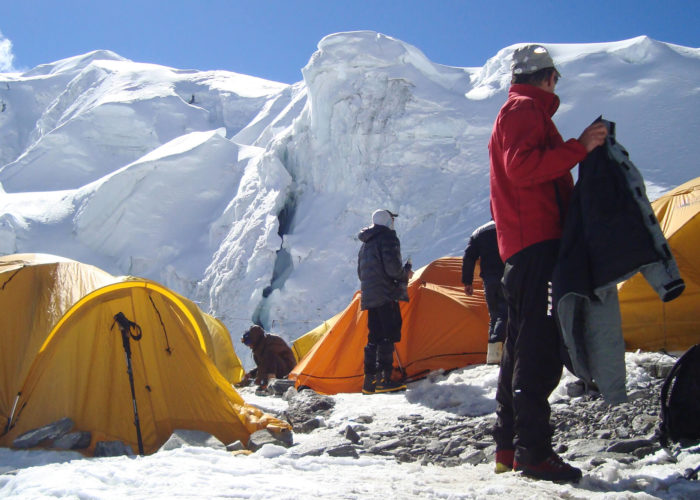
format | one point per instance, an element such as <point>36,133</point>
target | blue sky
<point>274,39</point>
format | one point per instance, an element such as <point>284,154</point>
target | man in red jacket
<point>531,185</point>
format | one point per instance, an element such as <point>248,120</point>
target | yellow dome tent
<point>80,369</point>
<point>302,345</point>
<point>647,322</point>
<point>443,328</point>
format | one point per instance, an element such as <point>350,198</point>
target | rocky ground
<point>587,429</point>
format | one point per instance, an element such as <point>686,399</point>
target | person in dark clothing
<point>383,279</point>
<point>483,246</point>
<point>273,357</point>
<point>531,185</point>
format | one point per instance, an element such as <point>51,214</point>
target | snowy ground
<point>273,472</point>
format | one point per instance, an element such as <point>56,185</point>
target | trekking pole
<point>401,369</point>
<point>125,326</point>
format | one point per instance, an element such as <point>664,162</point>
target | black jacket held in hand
<point>380,268</point>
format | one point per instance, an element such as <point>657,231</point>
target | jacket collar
<point>548,101</point>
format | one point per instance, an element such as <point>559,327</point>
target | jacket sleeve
<point>391,258</point>
<point>471,255</point>
<point>529,159</point>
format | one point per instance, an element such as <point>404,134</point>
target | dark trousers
<point>498,309</point>
<point>531,365</point>
<point>384,329</point>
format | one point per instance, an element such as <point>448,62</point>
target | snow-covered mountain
<point>247,195</point>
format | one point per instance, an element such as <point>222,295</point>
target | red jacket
<point>528,159</point>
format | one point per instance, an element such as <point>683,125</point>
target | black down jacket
<point>382,274</point>
<point>482,246</point>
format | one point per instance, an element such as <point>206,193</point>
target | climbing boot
<point>385,384</point>
<point>369,385</point>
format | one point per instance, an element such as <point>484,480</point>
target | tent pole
<point>12,413</point>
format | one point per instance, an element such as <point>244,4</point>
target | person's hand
<point>593,136</point>
<point>469,289</point>
<point>245,381</point>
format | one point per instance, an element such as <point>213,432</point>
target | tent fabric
<point>79,368</point>
<point>443,328</point>
<point>647,322</point>
<point>222,353</point>
<point>302,345</point>
<point>36,290</point>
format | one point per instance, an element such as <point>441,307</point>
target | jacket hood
<point>255,335</point>
<point>547,100</point>
<point>370,232</point>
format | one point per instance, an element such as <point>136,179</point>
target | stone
<point>345,450</point>
<point>317,448</point>
<point>364,419</point>
<point>644,423</point>
<point>308,426</point>
<point>262,437</point>
<point>351,435</point>
<point>73,441</point>
<point>628,445</point>
<point>186,437</point>
<point>385,445</point>
<point>112,449</point>
<point>49,432</point>
<point>235,446</point>
<point>308,404</point>
<point>472,456</point>
<point>279,386</point>
<point>436,446</point>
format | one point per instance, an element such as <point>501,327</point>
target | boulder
<point>49,432</point>
<point>73,441</point>
<point>112,449</point>
<point>187,437</point>
<point>262,437</point>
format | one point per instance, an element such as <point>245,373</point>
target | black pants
<point>498,309</point>
<point>384,329</point>
<point>531,366</point>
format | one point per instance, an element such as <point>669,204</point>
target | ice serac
<point>382,127</point>
<point>247,241</point>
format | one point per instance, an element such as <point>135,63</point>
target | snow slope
<point>246,195</point>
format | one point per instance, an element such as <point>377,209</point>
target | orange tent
<point>647,322</point>
<point>443,328</point>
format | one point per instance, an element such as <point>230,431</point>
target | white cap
<point>383,218</point>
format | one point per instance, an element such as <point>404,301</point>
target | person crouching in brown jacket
<point>272,356</point>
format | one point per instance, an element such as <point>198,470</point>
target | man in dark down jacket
<point>272,356</point>
<point>383,279</point>
<point>531,186</point>
<point>483,246</point>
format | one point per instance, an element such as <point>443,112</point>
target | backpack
<point>680,402</point>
